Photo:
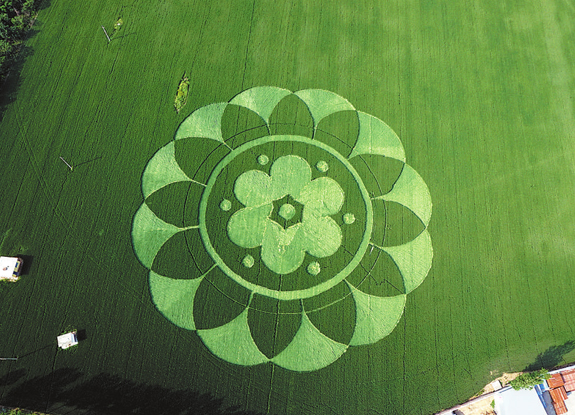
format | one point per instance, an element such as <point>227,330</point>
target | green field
<point>192,251</point>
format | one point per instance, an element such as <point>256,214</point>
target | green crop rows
<point>480,95</point>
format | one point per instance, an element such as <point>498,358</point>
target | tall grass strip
<point>182,92</point>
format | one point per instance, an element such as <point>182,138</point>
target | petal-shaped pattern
<point>322,236</point>
<point>413,260</point>
<point>323,196</point>
<point>290,174</point>
<point>376,317</point>
<point>204,122</point>
<point>233,342</point>
<point>262,100</point>
<point>376,137</point>
<point>149,233</point>
<point>254,188</point>
<point>309,350</point>
<point>411,191</point>
<point>175,298</point>
<point>247,226</point>
<point>282,250</point>
<point>162,169</point>
<point>322,103</point>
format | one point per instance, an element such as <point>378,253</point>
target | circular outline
<point>291,211</point>
<point>294,294</point>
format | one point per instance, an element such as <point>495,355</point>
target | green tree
<point>16,17</point>
<point>529,380</point>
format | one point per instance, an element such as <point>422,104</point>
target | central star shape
<point>287,211</point>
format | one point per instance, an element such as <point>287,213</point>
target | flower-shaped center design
<point>283,250</point>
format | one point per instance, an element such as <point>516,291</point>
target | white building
<point>10,268</point>
<point>67,340</point>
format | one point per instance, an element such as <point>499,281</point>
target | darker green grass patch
<point>191,211</point>
<point>175,260</point>
<point>339,130</point>
<point>201,258</point>
<point>333,141</point>
<point>402,225</point>
<point>218,300</point>
<point>378,275</point>
<point>238,120</point>
<point>333,306</point>
<point>378,173</point>
<point>383,278</point>
<point>169,202</point>
<point>379,222</point>
<point>195,167</point>
<point>272,330</point>
<point>291,116</point>
<point>209,163</point>
<point>246,136</point>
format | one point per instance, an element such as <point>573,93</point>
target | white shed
<point>10,268</point>
<point>67,340</point>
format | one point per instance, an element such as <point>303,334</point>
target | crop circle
<point>262,209</point>
<point>248,261</point>
<point>348,218</point>
<point>314,268</point>
<point>322,166</point>
<point>225,205</point>
<point>263,159</point>
<point>287,211</point>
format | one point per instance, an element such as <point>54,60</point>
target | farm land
<point>479,96</point>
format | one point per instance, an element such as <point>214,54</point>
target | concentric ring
<point>294,294</point>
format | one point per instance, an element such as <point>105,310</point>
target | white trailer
<point>10,268</point>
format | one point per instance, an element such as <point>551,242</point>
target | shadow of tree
<point>9,87</point>
<point>44,4</point>
<point>552,357</point>
<point>12,377</point>
<point>63,391</point>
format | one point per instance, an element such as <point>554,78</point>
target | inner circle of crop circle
<point>287,211</point>
<point>294,294</point>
